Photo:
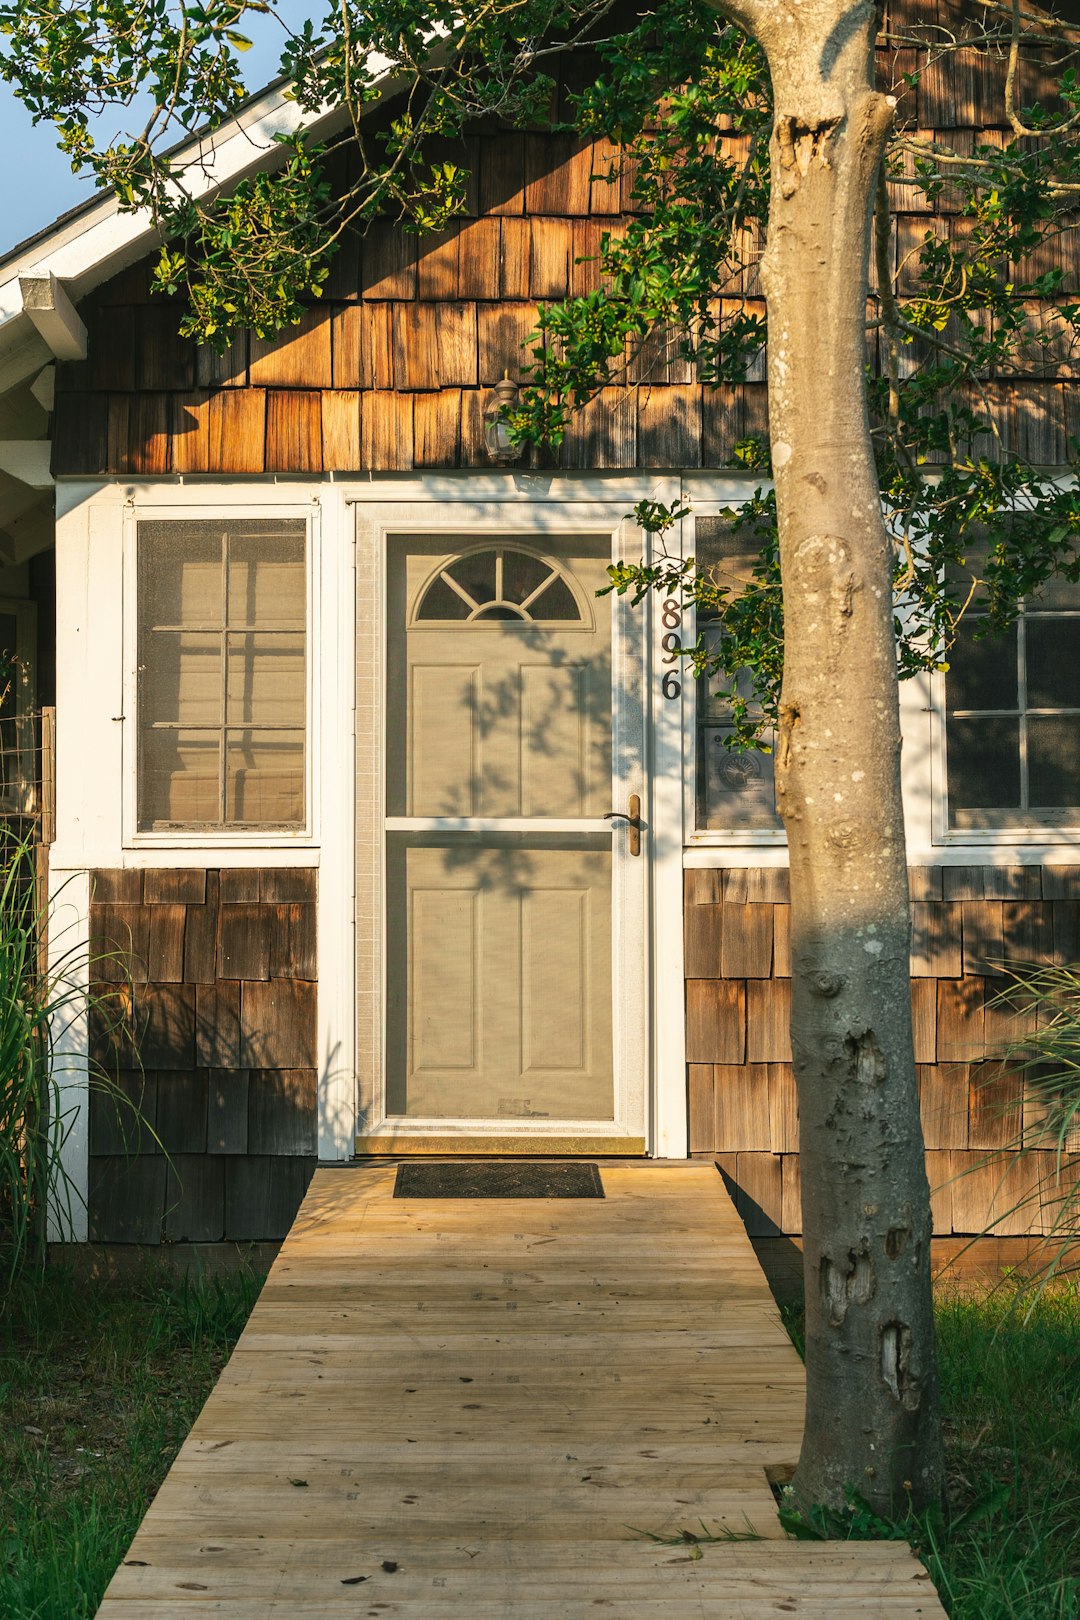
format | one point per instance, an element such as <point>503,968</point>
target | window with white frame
<point>1012,717</point>
<point>222,687</point>
<point>735,790</point>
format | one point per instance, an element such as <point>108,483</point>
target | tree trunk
<point>872,1420</point>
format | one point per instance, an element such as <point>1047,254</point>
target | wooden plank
<point>962,882</point>
<point>790,1194</point>
<point>376,347</point>
<point>277,1025</point>
<point>478,267</point>
<point>438,264</point>
<point>347,324</point>
<point>341,429</point>
<point>227,1112</point>
<point>998,1195</point>
<point>244,942</point>
<point>747,948</point>
<point>782,942</point>
<point>943,1104</point>
<point>925,882</point>
<point>238,431</point>
<point>783,1109</point>
<point>759,1199</point>
<point>765,885</point>
<point>502,173</point>
<point>386,432</point>
<point>240,883</point>
<point>1012,882</point>
<point>984,938</point>
<point>195,1199</point>
<point>182,1106</point>
<point>1061,882</point>
<point>669,427</point>
<point>294,432</point>
<point>768,1021</point>
<point>960,1021</point>
<point>515,258</point>
<point>189,430</point>
<point>1028,930</point>
<point>741,1098</point>
<point>217,1032</point>
<point>702,935</point>
<point>80,435</point>
<point>223,370</point>
<point>126,1198</point>
<point>924,1019</point>
<point>166,959</point>
<point>437,428</point>
<point>140,440</point>
<point>558,172</point>
<point>163,1021</point>
<point>702,1111</point>
<point>549,258</point>
<point>120,942</point>
<point>936,939</point>
<point>702,886</point>
<point>200,937</point>
<point>282,1114</point>
<point>388,261</point>
<point>117,884</point>
<point>603,433</point>
<point>286,883</point>
<point>171,886</point>
<point>1066,926</point>
<point>715,1021</point>
<point>995,1094</point>
<point>501,332</point>
<point>123,1115</point>
<point>163,359</point>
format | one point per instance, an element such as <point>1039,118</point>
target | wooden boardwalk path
<point>473,1408</point>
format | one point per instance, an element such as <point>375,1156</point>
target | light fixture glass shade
<point>497,441</point>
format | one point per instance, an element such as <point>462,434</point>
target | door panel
<point>499,978</point>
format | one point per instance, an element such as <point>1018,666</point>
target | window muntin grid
<point>222,680</point>
<point>1012,726</point>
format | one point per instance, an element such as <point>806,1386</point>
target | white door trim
<point>376,527</point>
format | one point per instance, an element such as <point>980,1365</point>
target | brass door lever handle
<point>632,817</point>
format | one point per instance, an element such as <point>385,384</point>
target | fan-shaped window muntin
<point>499,584</point>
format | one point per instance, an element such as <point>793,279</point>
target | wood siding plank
<point>960,1021</point>
<point>741,1100</point>
<point>669,427</point>
<point>217,1031</point>
<point>277,1025</point>
<point>386,432</point>
<point>715,1021</point>
<point>943,1104</point>
<point>341,430</point>
<point>388,261</point>
<point>227,1117</point>
<point>936,940</point>
<point>298,357</point>
<point>294,434</point>
<point>195,1199</point>
<point>238,431</point>
<point>189,429</point>
<point>702,935</point>
<point>747,949</point>
<point>768,1020</point>
<point>166,961</point>
<point>437,428</point>
<point>549,258</point>
<point>783,1109</point>
<point>244,942</point>
<point>924,1019</point>
<point>282,1116</point>
<point>984,938</point>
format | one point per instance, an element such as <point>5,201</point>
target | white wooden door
<point>511,891</point>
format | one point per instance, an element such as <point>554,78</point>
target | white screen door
<point>511,731</point>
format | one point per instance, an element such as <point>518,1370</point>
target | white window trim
<point>204,506</point>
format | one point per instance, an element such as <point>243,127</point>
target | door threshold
<point>404,1146</point>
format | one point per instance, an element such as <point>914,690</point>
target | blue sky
<point>38,183</point>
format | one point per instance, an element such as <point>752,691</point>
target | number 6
<point>670,685</point>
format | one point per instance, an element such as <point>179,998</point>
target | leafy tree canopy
<point>684,98</point>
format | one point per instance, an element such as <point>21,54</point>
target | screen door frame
<point>466,524</point>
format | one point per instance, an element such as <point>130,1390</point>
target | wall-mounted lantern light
<point>502,399</point>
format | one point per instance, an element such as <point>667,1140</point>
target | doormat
<point>498,1179</point>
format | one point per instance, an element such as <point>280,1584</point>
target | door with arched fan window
<point>510,740</point>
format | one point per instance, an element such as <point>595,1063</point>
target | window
<point>222,612</point>
<point>735,791</point>
<point>1012,727</point>
<point>498,583</point>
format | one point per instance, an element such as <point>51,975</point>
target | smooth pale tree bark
<point>872,1419</point>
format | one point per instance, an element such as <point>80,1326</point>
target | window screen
<point>222,687</point>
<point>1012,727</point>
<point>734,790</point>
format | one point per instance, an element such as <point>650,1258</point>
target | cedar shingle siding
<point>967,921</point>
<point>204,1124</point>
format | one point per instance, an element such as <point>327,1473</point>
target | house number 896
<point>671,686</point>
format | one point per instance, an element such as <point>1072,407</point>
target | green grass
<point>1009,1548</point>
<point>98,1387</point>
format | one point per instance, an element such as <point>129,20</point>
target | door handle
<point>632,817</point>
